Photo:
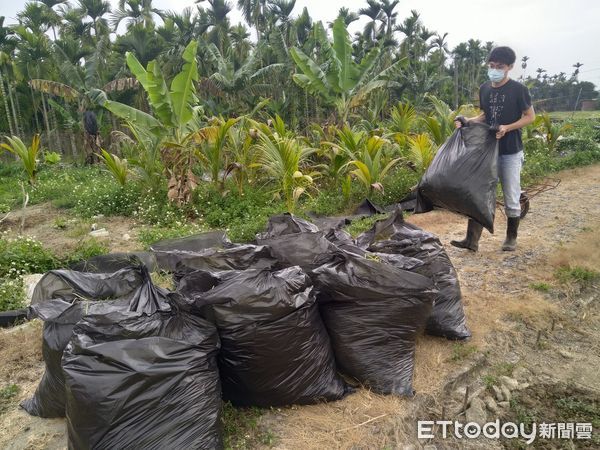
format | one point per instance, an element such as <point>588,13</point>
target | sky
<point>555,34</point>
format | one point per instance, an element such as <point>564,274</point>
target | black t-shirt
<point>502,106</point>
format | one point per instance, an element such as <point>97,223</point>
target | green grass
<point>361,225</point>
<point>541,287</point>
<point>583,410</point>
<point>241,428</point>
<point>489,381</point>
<point>461,352</point>
<point>7,395</point>
<point>577,274</point>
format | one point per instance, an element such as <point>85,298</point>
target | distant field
<point>563,115</point>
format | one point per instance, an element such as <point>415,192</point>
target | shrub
<point>85,249</point>
<point>99,197</point>
<point>24,255</point>
<point>12,293</point>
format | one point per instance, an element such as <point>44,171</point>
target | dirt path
<point>550,339</point>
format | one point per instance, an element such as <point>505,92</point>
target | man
<point>505,105</point>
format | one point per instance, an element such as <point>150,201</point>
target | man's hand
<point>502,130</point>
<point>461,121</point>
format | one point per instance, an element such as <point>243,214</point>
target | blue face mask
<point>496,75</point>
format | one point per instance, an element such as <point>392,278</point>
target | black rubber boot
<point>471,242</point>
<point>510,243</point>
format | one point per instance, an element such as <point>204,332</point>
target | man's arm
<point>479,118</point>
<point>527,118</point>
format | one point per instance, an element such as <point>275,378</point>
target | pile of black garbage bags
<point>300,316</point>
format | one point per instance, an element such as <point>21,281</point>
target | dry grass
<point>20,353</point>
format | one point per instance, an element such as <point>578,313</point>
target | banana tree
<point>340,81</point>
<point>174,119</point>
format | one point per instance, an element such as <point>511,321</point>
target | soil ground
<point>525,322</point>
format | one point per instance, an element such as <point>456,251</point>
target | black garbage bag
<point>373,312</point>
<point>169,252</point>
<point>12,317</point>
<point>70,285</point>
<point>116,261</point>
<point>294,241</point>
<point>274,348</point>
<point>287,224</point>
<point>299,249</point>
<point>398,237</point>
<point>235,257</point>
<point>463,176</point>
<point>61,299</point>
<point>143,381</point>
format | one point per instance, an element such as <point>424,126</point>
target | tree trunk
<point>455,85</point>
<point>5,100</point>
<point>14,101</point>
<point>46,122</point>
<point>55,131</point>
<point>37,122</point>
<point>73,144</point>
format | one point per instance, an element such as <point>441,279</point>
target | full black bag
<point>274,348</point>
<point>61,299</point>
<point>143,381</point>
<point>113,262</point>
<point>294,241</point>
<point>373,312</point>
<point>463,176</point>
<point>170,252</point>
<point>235,257</point>
<point>395,236</point>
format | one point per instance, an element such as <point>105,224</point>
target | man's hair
<point>503,55</point>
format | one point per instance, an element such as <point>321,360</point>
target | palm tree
<point>373,12</point>
<point>239,83</point>
<point>215,22</point>
<point>346,15</point>
<point>143,42</point>
<point>254,14</point>
<point>73,24</point>
<point>95,10</point>
<point>539,72</point>
<point>34,17</point>
<point>524,60</point>
<point>576,71</point>
<point>302,27</point>
<point>389,16</point>
<point>4,61</point>
<point>280,15</point>
<point>136,12</point>
<point>34,53</point>
<point>52,17</point>
<point>240,45</point>
<point>410,27</point>
<point>441,50</point>
<point>6,51</point>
